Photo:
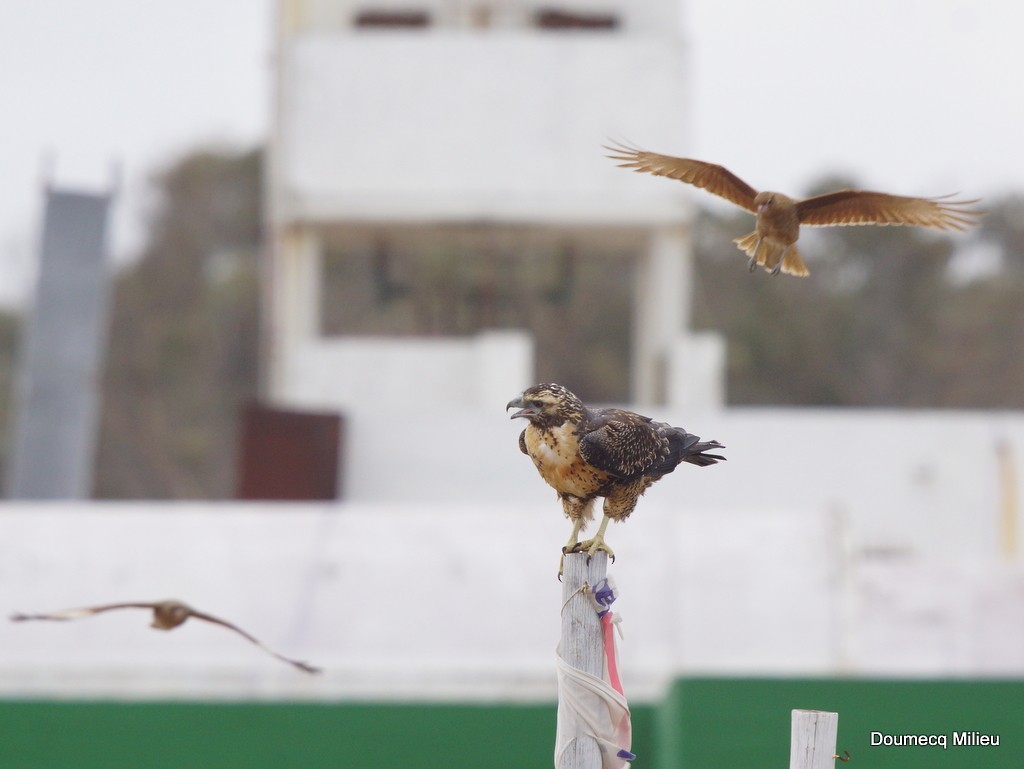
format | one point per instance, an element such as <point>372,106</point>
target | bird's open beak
<point>519,403</point>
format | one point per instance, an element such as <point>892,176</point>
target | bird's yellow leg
<point>570,546</point>
<point>574,537</point>
<point>597,543</point>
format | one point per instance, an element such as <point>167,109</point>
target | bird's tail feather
<point>793,264</point>
<point>768,254</point>
<point>748,243</point>
<point>687,447</point>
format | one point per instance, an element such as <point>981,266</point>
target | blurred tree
<point>877,323</point>
<point>778,351</point>
<point>183,348</point>
<point>981,357</point>
<point>10,327</point>
<point>1003,225</point>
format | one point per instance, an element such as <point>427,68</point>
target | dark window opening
<point>551,18</point>
<point>575,300</point>
<point>392,19</point>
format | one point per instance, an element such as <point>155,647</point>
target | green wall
<point>715,723</point>
<point>143,735</point>
<point>703,723</point>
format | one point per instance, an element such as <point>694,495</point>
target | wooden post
<point>1008,501</point>
<point>582,644</point>
<point>812,743</point>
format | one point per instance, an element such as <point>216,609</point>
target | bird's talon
<point>596,545</point>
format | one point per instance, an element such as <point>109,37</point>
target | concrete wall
<point>926,483</point>
<point>854,543</point>
<point>455,601</point>
<point>357,374</point>
<point>441,127</point>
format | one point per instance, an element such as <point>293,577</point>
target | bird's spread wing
<point>847,207</point>
<point>86,611</point>
<point>621,443</point>
<point>224,623</point>
<point>716,179</point>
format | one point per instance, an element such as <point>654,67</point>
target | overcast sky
<point>910,96</point>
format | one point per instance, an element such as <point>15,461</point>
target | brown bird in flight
<point>167,615</point>
<point>773,241</point>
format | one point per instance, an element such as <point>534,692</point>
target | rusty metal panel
<point>293,455</point>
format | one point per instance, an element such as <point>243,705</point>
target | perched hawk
<point>167,615</point>
<point>773,241</point>
<point>586,453</point>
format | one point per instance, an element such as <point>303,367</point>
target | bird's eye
<point>537,404</point>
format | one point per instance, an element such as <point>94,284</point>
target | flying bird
<point>773,241</point>
<point>585,453</point>
<point>167,615</point>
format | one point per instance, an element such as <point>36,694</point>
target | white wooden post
<point>812,743</point>
<point>582,644</point>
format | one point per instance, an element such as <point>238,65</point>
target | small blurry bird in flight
<point>167,615</point>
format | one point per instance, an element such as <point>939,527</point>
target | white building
<point>403,127</point>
